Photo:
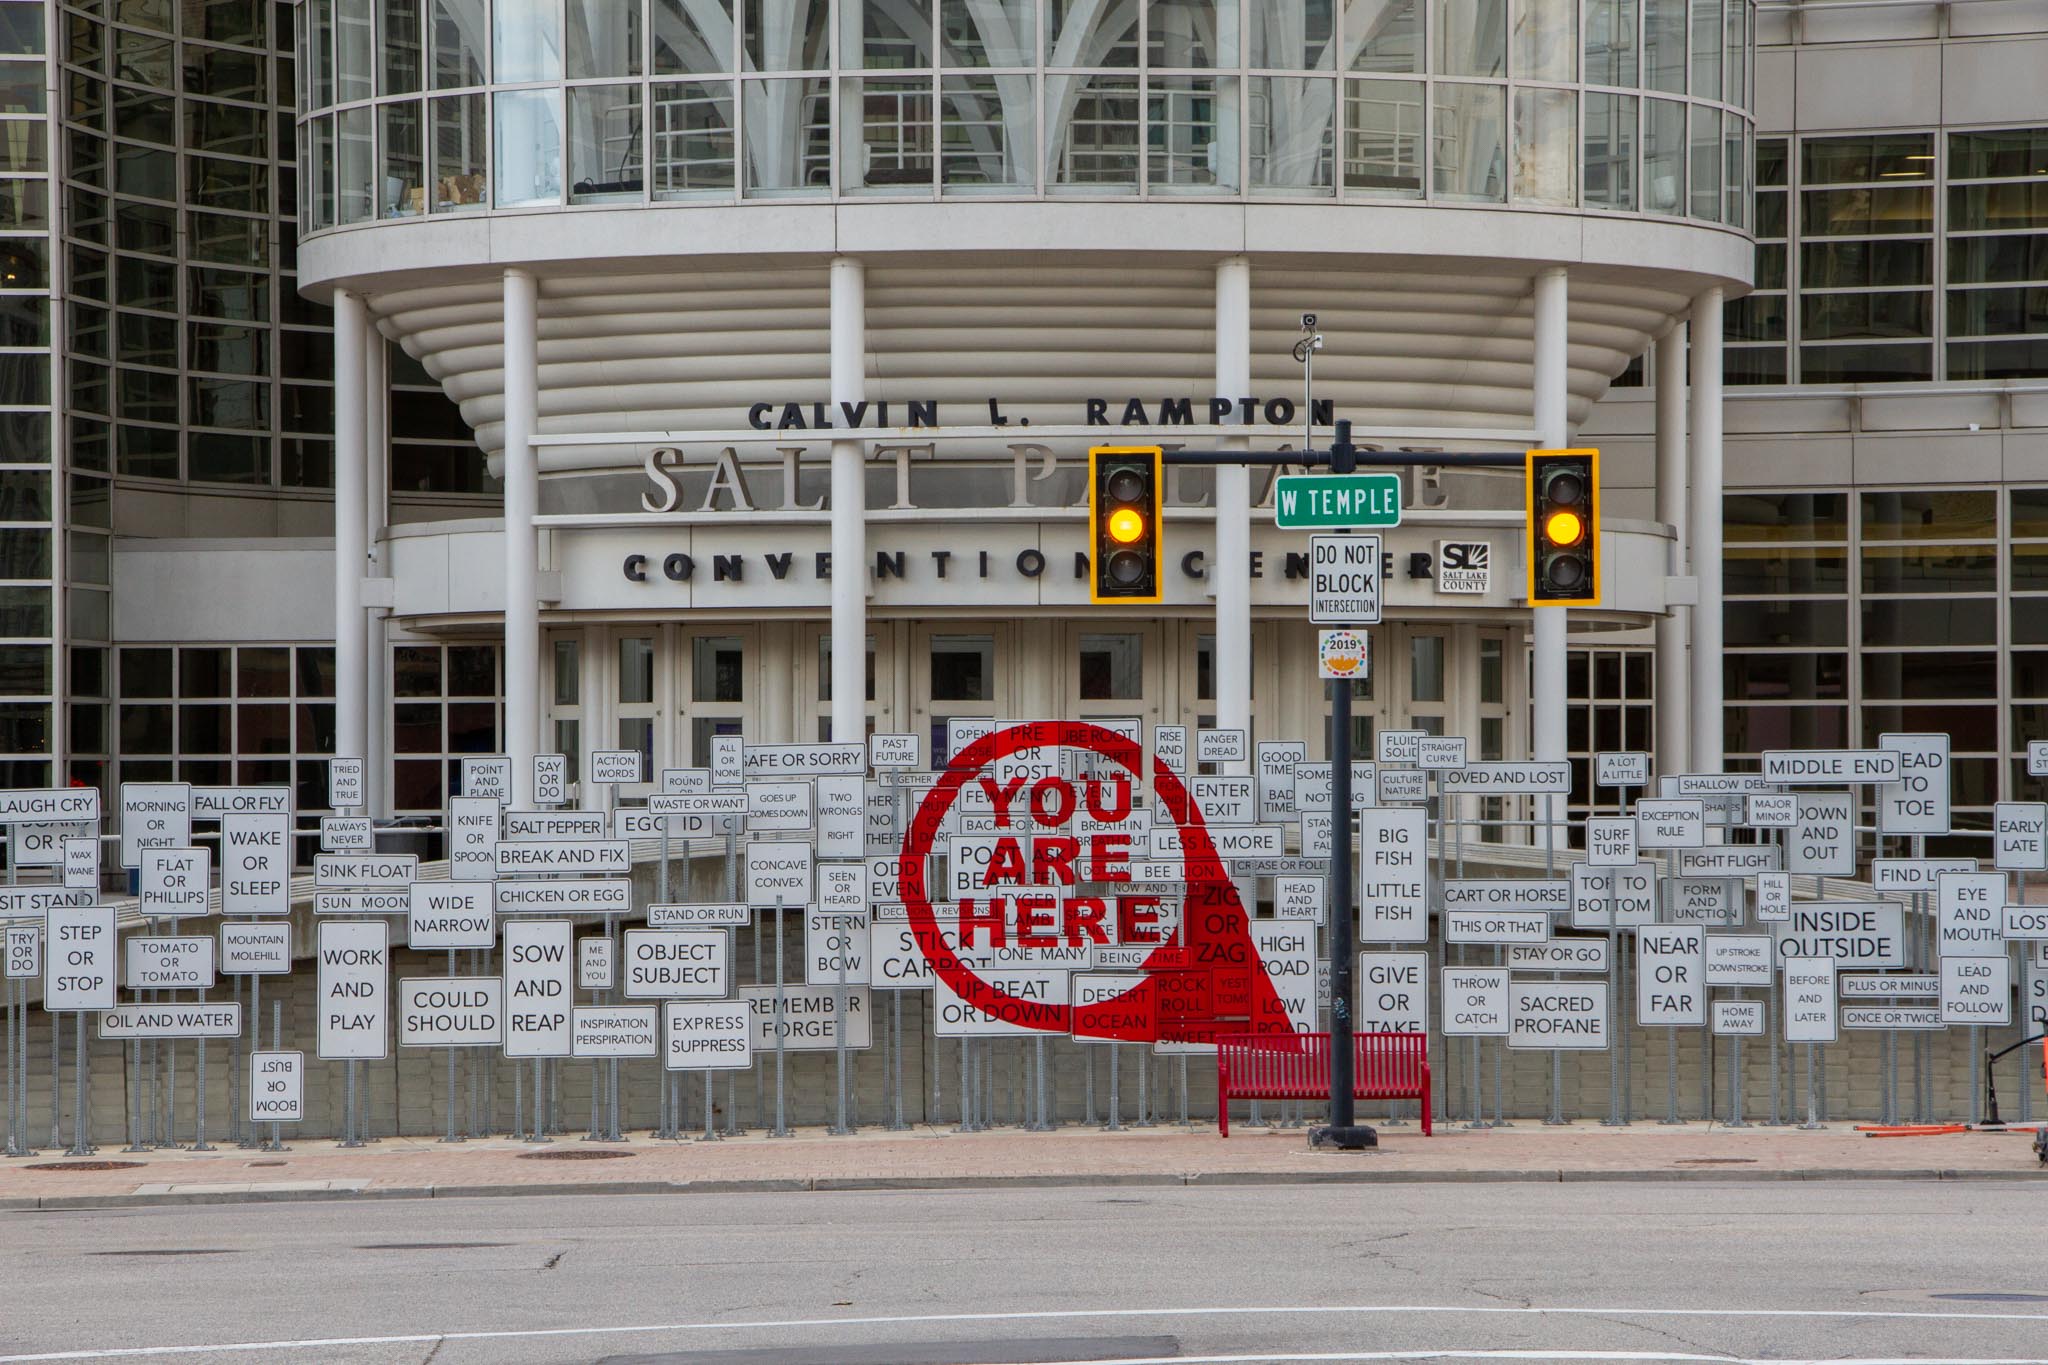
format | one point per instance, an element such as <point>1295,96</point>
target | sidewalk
<point>933,1158</point>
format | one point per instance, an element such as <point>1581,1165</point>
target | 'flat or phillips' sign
<point>1344,580</point>
<point>1307,502</point>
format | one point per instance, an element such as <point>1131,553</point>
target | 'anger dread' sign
<point>1054,882</point>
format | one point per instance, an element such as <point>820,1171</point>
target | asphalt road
<point>1650,1272</point>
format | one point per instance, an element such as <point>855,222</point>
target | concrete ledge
<point>1118,1180</point>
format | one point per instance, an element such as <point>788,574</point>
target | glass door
<point>716,672</point>
<point>959,670</point>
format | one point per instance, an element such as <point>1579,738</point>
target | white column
<point>1230,567</point>
<point>351,557</point>
<point>849,507</point>
<point>1547,628</point>
<point>1707,724</point>
<point>522,546</point>
<point>1674,681</point>
<point>377,518</point>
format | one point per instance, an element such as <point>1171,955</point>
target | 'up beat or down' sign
<point>1063,873</point>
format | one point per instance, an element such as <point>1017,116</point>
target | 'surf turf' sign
<point>1046,887</point>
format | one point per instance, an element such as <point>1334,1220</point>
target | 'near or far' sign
<point>1307,502</point>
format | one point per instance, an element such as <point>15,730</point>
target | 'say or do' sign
<point>1344,580</point>
<point>277,1087</point>
<point>1393,992</point>
<point>550,779</point>
<point>1392,844</point>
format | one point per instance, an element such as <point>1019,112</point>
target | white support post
<point>1547,629</point>
<point>1674,632</point>
<point>849,508</point>
<point>1230,566</point>
<point>351,551</point>
<point>1707,723</point>
<point>377,520</point>
<point>522,546</point>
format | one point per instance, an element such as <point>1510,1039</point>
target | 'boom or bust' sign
<point>1056,880</point>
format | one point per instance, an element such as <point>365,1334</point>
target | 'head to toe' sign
<point>1054,880</point>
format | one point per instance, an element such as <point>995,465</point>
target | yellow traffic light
<point>1563,505</point>
<point>1126,550</point>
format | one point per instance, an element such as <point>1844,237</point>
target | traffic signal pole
<point>1343,1130</point>
<point>1343,457</point>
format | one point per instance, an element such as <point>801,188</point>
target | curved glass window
<point>1537,103</point>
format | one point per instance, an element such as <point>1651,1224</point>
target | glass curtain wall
<point>1897,257</point>
<point>33,492</point>
<point>478,104</point>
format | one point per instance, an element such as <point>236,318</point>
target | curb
<point>1079,1180</point>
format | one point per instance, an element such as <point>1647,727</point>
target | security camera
<point>1308,322</point>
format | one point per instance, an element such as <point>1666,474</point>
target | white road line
<point>1293,1357</point>
<point>1080,1314</point>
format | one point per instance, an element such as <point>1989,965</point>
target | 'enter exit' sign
<point>1313,501</point>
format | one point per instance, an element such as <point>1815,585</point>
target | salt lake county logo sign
<point>1464,566</point>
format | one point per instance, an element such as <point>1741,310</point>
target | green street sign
<point>1304,502</point>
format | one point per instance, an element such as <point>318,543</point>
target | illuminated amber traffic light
<point>1125,549</point>
<point>1563,488</point>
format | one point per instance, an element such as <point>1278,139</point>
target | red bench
<point>1296,1066</point>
